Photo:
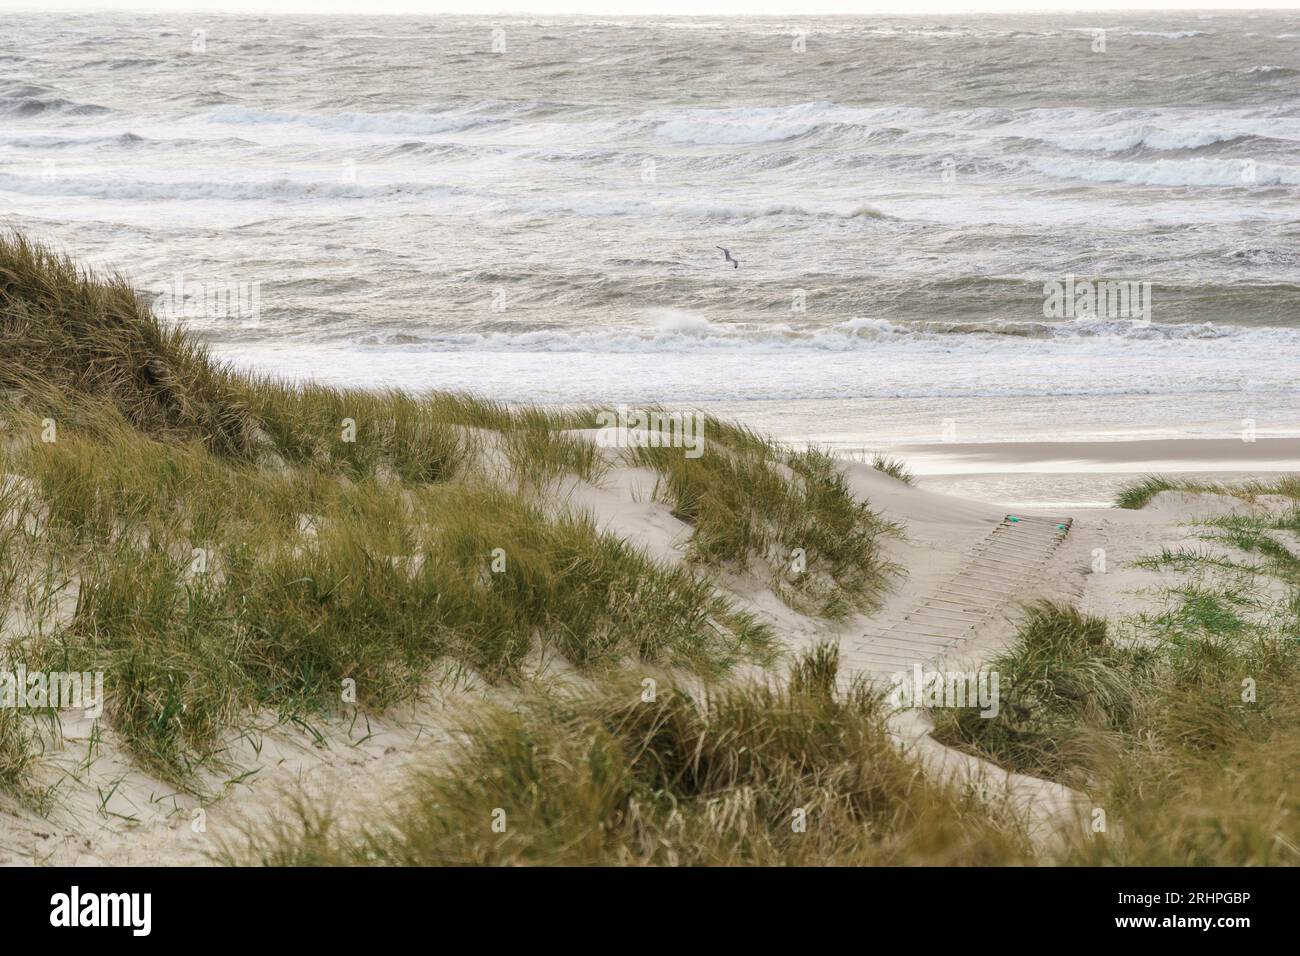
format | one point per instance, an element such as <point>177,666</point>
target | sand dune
<point>966,552</point>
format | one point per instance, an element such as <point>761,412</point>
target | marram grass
<point>756,774</point>
<point>1140,493</point>
<point>1182,726</point>
<point>748,499</point>
<point>225,545</point>
<point>208,588</point>
<point>893,467</point>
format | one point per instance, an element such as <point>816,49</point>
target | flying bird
<point>728,257</point>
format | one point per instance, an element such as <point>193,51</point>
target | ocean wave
<point>771,124</point>
<point>50,141</point>
<point>761,126</point>
<point>750,213</point>
<point>430,150</point>
<point>394,124</point>
<point>1071,129</point>
<point>589,206</point>
<point>1166,34</point>
<point>29,106</point>
<point>1271,71</point>
<point>675,330</point>
<point>1146,137</point>
<point>126,63</point>
<point>1172,172</point>
<point>1156,34</point>
<point>279,188</point>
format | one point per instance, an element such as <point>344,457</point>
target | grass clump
<point>1288,520</point>
<point>1062,685</point>
<point>893,467</point>
<point>16,753</point>
<point>358,433</point>
<point>91,339</point>
<point>386,583</point>
<point>18,596</point>
<point>1184,730</point>
<point>1207,777</point>
<point>1139,494</point>
<point>1189,559</point>
<point>1252,534</point>
<point>426,438</point>
<point>748,499</point>
<point>794,774</point>
<point>538,455</point>
<point>1201,612</point>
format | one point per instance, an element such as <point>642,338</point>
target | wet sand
<point>1087,473</point>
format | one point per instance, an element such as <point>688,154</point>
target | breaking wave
<point>674,330</point>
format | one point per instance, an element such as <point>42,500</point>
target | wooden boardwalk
<point>993,575</point>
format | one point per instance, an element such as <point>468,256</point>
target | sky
<point>634,7</point>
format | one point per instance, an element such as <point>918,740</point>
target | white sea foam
<point>1249,377</point>
<point>1150,137</point>
<point>394,124</point>
<point>676,330</point>
<point>77,181</point>
<point>1173,172</point>
<point>1167,34</point>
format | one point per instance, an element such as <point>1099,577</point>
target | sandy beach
<point>1087,474</point>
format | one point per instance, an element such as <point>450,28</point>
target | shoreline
<point>1010,462</point>
<point>1085,474</point>
<point>873,396</point>
<point>1173,454</point>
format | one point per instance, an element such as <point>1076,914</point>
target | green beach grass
<point>791,773</point>
<point>1182,725</point>
<point>234,545</point>
<point>1139,493</point>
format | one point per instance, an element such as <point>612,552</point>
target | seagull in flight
<point>728,257</point>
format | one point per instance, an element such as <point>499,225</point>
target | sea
<point>999,228</point>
